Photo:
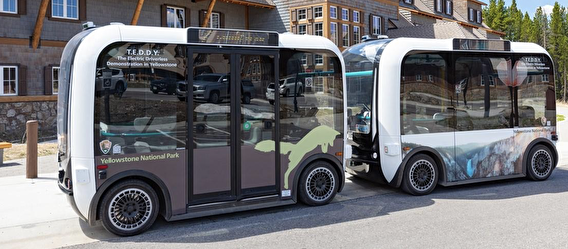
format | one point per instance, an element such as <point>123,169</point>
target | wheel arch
<point>156,183</point>
<point>336,164</point>
<point>534,143</point>
<point>440,164</point>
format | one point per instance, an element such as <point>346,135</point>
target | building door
<point>232,131</point>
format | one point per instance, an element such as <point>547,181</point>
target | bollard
<point>31,149</point>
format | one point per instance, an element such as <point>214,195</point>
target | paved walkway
<point>46,164</point>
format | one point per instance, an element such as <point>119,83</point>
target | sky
<point>531,5</point>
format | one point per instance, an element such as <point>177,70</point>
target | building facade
<point>34,33</point>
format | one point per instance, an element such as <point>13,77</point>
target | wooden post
<point>39,23</point>
<point>31,149</point>
<point>137,12</point>
<point>208,14</point>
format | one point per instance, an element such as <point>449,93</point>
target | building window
<point>318,59</point>
<point>318,29</point>
<point>430,78</point>
<point>544,77</point>
<point>302,15</point>
<point>215,20</point>
<point>356,34</point>
<point>304,60</point>
<point>345,14</point>
<point>449,9</point>
<point>376,25</point>
<point>9,6</point>
<point>345,35</point>
<point>419,77</point>
<point>318,84</point>
<point>439,6</point>
<point>68,9</point>
<point>471,15</point>
<point>175,17</point>
<point>332,12</point>
<point>55,80</point>
<point>333,32</point>
<point>491,81</point>
<point>408,1</point>
<point>482,83</point>
<point>318,12</point>
<point>356,16</point>
<point>9,79</point>
<point>302,29</point>
<point>479,18</point>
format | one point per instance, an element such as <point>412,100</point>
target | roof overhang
<point>246,3</point>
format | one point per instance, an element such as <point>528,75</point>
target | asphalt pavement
<point>506,214</point>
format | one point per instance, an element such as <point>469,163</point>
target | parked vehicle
<point>288,85</point>
<point>166,85</point>
<point>214,87</point>
<point>117,85</point>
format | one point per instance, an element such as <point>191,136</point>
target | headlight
<point>200,88</point>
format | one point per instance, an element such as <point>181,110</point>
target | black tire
<point>540,163</point>
<point>286,93</point>
<point>135,206</point>
<point>271,102</point>
<point>155,92</point>
<point>181,99</point>
<point>170,93</point>
<point>318,184</point>
<point>300,91</point>
<point>246,99</point>
<point>420,175</point>
<point>214,97</point>
<point>119,89</point>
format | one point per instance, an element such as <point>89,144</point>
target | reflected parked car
<point>288,87</point>
<point>166,85</point>
<point>214,88</point>
<point>117,85</point>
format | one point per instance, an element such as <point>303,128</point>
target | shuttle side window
<point>426,105</point>
<point>136,110</point>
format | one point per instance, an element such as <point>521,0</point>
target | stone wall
<point>13,118</point>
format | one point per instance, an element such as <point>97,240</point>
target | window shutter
<point>370,24</point>
<point>310,59</point>
<point>47,84</point>
<point>48,12</point>
<point>350,15</point>
<point>339,14</point>
<point>22,81</point>
<point>222,20</point>
<point>310,13</point>
<point>294,29</point>
<point>82,10</point>
<point>383,26</point>
<point>22,8</point>
<point>310,28</point>
<point>201,16</point>
<point>452,8</point>
<point>164,15</point>
<point>361,17</point>
<point>294,15</point>
<point>187,17</point>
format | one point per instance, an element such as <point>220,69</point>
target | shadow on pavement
<point>10,164</point>
<point>386,200</point>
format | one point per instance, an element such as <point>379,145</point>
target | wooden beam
<point>38,98</point>
<point>208,14</point>
<point>247,17</point>
<point>26,42</point>
<point>137,12</point>
<point>39,23</point>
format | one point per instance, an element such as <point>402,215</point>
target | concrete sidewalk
<point>34,213</point>
<point>46,164</point>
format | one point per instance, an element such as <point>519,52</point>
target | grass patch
<point>560,117</point>
<point>19,151</point>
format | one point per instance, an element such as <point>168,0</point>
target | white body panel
<point>389,92</point>
<point>82,95</point>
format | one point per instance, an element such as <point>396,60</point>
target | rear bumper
<point>69,194</point>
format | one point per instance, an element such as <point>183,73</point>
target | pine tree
<point>500,17</point>
<point>526,28</point>
<point>513,22</point>
<point>489,13</point>
<point>540,27</point>
<point>556,40</point>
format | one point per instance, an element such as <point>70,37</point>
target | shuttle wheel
<point>540,163</point>
<point>129,208</point>
<point>318,184</point>
<point>420,175</point>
